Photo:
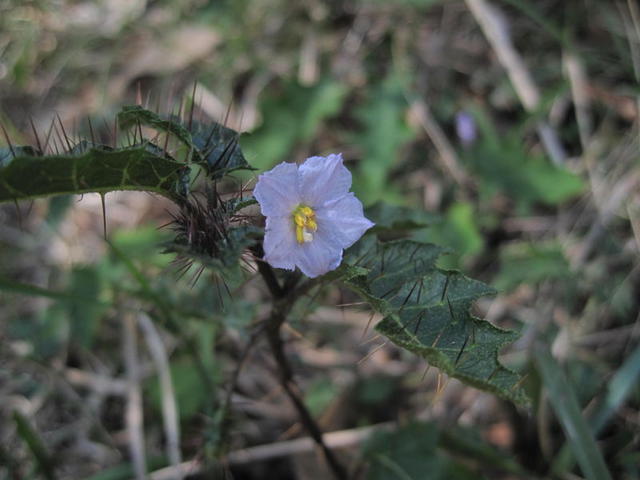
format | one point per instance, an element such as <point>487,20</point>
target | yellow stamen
<point>304,219</point>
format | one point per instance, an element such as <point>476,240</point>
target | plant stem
<point>283,302</point>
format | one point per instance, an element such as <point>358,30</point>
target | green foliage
<point>384,132</point>
<point>87,167</point>
<point>426,311</point>
<point>42,457</point>
<point>410,453</point>
<point>459,230</point>
<point>563,400</point>
<point>292,114</point>
<point>391,219</point>
<point>98,170</point>
<point>503,164</point>
<point>526,263</point>
<point>212,146</point>
<point>187,385</point>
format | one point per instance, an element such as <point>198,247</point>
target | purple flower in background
<point>465,128</point>
<point>311,215</point>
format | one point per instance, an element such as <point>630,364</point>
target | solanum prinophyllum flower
<point>311,215</point>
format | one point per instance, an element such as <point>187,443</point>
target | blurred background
<point>510,127</point>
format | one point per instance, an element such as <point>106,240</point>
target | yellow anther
<point>304,219</point>
<point>307,211</point>
<point>311,224</point>
<point>300,219</point>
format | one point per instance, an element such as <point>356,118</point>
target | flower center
<point>304,219</point>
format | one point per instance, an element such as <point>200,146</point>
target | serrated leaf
<point>218,147</point>
<point>426,311</point>
<point>133,115</point>
<point>212,146</point>
<point>97,170</point>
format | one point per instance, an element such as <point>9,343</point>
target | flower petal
<point>318,256</point>
<point>323,179</point>
<point>343,219</point>
<point>277,190</point>
<point>280,242</point>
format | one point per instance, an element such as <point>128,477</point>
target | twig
<point>169,408</point>
<point>334,440</point>
<point>494,28</point>
<point>446,152</point>
<point>226,407</point>
<point>283,302</point>
<point>133,415</point>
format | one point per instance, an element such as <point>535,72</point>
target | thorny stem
<point>283,300</point>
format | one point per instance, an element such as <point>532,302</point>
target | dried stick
<point>133,415</point>
<point>169,408</point>
<point>494,29</point>
<point>447,153</point>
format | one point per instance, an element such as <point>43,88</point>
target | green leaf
<point>7,154</point>
<point>504,165</point>
<point>411,453</point>
<point>459,230</point>
<point>563,400</point>
<point>426,311</point>
<point>292,114</point>
<point>396,218</point>
<point>218,148</point>
<point>83,316</point>
<point>384,133</point>
<point>525,263</point>
<point>36,446</point>
<point>212,146</point>
<point>617,391</point>
<point>132,116</point>
<point>97,170</point>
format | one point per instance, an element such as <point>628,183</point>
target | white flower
<point>311,215</point>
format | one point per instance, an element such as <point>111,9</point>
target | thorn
<point>147,100</point>
<point>46,142</point>
<point>193,104</point>
<point>420,316</point>
<point>19,214</point>
<point>93,137</point>
<point>371,353</point>
<point>444,290</point>
<point>420,291</point>
<point>372,339</point>
<point>64,132</point>
<point>464,345</point>
<point>180,109</point>
<point>115,133</point>
<point>37,137</point>
<point>104,215</point>
<point>196,276</point>
<point>426,370</point>
<point>366,328</point>
<point>227,113</point>
<point>6,136</point>
<point>406,300</point>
